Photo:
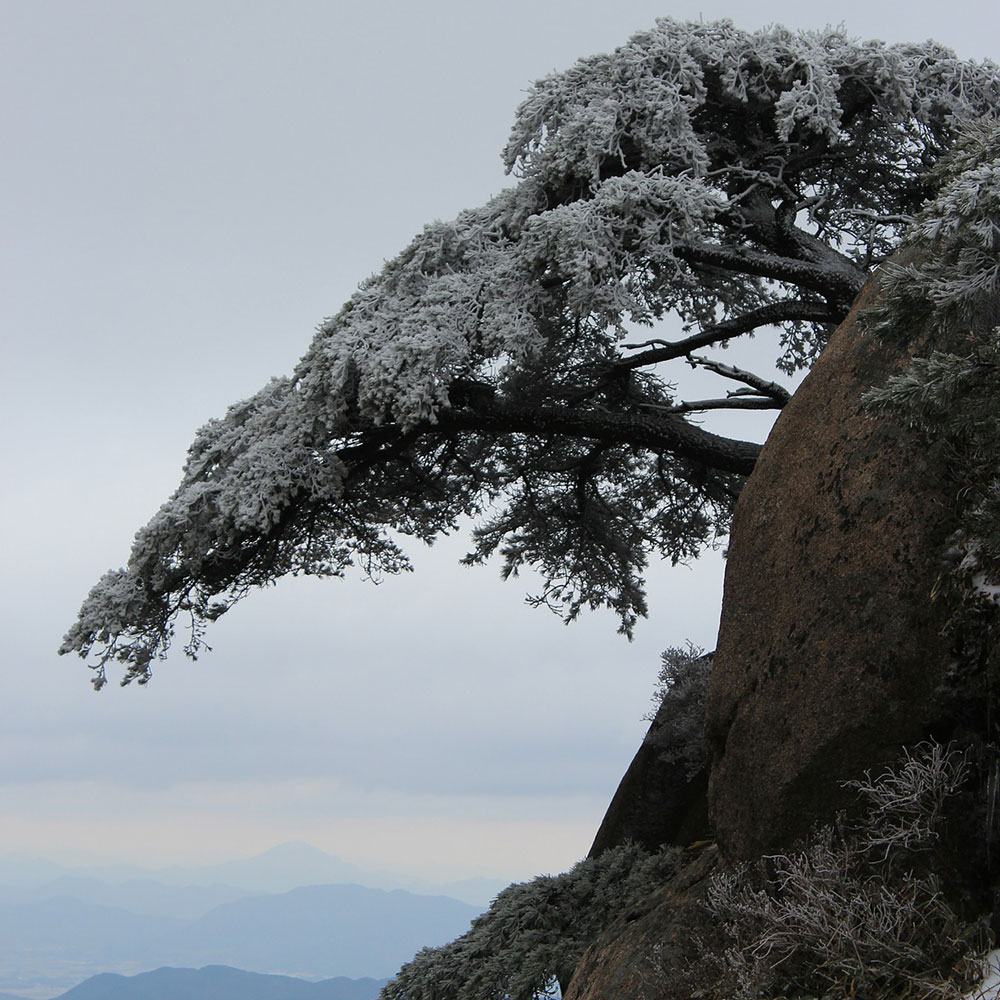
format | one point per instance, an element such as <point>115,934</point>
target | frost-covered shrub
<point>851,913</point>
<point>678,729</point>
<point>953,288</point>
<point>527,944</point>
<point>955,285</point>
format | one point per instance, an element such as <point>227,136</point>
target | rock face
<point>662,799</point>
<point>639,954</point>
<point>655,804</point>
<point>830,654</point>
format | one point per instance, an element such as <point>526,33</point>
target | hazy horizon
<point>278,868</point>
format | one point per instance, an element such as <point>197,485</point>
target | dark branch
<point>836,284</point>
<point>479,410</point>
<point>667,433</point>
<point>808,247</point>
<point>776,312</point>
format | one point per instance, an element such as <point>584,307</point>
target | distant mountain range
<point>139,896</point>
<point>26,878</point>
<point>219,982</point>
<point>344,930</point>
<point>310,932</point>
<point>293,910</point>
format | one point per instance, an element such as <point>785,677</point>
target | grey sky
<point>187,189</point>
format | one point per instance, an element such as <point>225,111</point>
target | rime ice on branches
<point>736,180</point>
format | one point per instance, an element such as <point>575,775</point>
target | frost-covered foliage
<point>530,939</point>
<point>956,283</point>
<point>681,696</point>
<point>953,289</point>
<point>849,914</point>
<point>736,179</point>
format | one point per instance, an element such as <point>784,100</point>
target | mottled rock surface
<point>657,802</point>
<point>830,654</point>
<point>833,655</point>
<point>639,955</point>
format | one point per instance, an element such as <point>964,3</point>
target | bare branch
<point>731,402</point>
<point>765,387</point>
<point>662,434</point>
<point>658,341</point>
<point>776,312</point>
<point>863,213</point>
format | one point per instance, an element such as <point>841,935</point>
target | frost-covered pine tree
<point>736,180</point>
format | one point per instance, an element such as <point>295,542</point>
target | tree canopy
<point>738,180</point>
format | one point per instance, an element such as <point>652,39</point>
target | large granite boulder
<point>832,653</point>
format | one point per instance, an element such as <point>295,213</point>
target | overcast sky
<point>186,190</point>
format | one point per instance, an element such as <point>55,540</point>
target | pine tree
<point>492,370</point>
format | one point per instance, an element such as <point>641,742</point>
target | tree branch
<point>838,284</point>
<point>776,312</point>
<point>811,248</point>
<point>763,386</point>
<point>728,403</point>
<point>666,433</point>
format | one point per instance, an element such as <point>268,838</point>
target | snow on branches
<point>952,289</point>
<point>528,943</point>
<point>850,912</point>
<point>737,180</point>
